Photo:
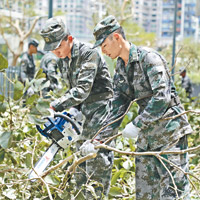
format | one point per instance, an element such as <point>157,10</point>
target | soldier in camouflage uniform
<point>90,89</point>
<point>186,82</point>
<point>27,65</point>
<point>142,73</point>
<point>51,65</point>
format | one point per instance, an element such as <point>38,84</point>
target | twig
<point>175,116</point>
<point>150,153</point>
<point>72,168</point>
<point>176,58</point>
<point>119,117</point>
<point>185,173</point>
<point>58,165</point>
<point>172,178</point>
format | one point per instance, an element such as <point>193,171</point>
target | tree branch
<point>175,116</point>
<point>32,27</point>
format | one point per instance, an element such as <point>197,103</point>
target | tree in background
<point>124,13</point>
<point>11,25</point>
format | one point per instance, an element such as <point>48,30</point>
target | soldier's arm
<point>85,80</point>
<point>161,88</point>
<point>52,71</point>
<point>118,106</point>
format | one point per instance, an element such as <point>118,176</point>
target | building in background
<point>147,14</point>
<point>77,13</point>
<point>153,15</point>
<point>158,16</point>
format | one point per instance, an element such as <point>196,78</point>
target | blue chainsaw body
<point>54,127</point>
<point>62,129</point>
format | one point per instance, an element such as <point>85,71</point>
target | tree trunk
<point>14,61</point>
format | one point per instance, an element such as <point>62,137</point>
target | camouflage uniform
<point>27,69</point>
<point>27,65</point>
<point>187,85</point>
<point>50,65</point>
<point>146,75</point>
<point>186,82</point>
<point>90,88</point>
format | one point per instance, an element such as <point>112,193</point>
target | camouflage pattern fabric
<point>153,181</point>
<point>89,91</point>
<point>104,28</point>
<point>53,33</point>
<point>187,85</point>
<point>98,169</point>
<point>27,67</point>
<point>50,64</point>
<point>146,75</point>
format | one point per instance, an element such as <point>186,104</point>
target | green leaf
<point>37,84</point>
<point>36,120</point>
<point>3,62</point>
<point>34,111</point>
<point>1,98</point>
<point>14,161</point>
<point>65,195</point>
<point>32,99</point>
<point>4,139</point>
<point>114,191</point>
<point>18,90</point>
<point>42,106</point>
<point>51,180</point>
<point>10,193</point>
<point>2,155</point>
<point>127,164</point>
<point>3,107</point>
<point>28,160</point>
<point>39,74</point>
<point>115,177</point>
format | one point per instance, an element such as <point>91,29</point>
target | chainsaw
<point>63,129</point>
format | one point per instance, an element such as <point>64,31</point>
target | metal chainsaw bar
<point>44,161</point>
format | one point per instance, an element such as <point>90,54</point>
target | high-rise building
<point>147,14</point>
<point>77,13</point>
<point>158,16</point>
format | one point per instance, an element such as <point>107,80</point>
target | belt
<point>99,97</point>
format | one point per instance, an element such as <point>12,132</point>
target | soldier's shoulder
<point>149,55</point>
<point>24,55</point>
<point>88,50</point>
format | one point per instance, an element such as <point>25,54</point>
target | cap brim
<point>98,42</point>
<point>51,46</point>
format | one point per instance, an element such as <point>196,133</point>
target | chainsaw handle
<point>69,120</point>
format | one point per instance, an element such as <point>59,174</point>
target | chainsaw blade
<point>44,161</point>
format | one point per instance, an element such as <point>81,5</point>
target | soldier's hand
<point>130,131</point>
<point>87,148</point>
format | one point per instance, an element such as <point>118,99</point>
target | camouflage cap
<point>34,42</point>
<point>53,33</point>
<point>104,28</point>
<point>182,69</point>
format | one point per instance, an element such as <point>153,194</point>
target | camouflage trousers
<point>96,172</point>
<point>153,181</point>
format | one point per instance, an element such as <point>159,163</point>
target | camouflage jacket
<point>27,67</point>
<point>50,64</point>
<point>146,76</point>
<point>90,86</point>
<point>186,83</point>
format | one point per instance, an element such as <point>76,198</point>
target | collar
<point>133,54</point>
<point>75,49</point>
